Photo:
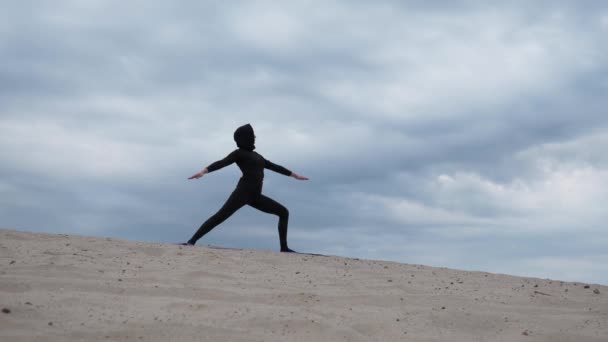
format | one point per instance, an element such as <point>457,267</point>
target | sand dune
<point>74,288</point>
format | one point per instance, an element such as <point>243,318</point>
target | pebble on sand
<point>6,310</point>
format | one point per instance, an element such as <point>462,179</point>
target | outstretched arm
<point>231,158</point>
<point>280,169</point>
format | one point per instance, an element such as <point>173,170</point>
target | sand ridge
<point>78,288</point>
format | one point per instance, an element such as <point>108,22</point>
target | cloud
<point>459,134</point>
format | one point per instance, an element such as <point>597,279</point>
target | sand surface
<point>75,288</point>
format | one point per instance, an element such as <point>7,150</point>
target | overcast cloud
<point>457,134</point>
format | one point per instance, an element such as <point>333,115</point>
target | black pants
<point>235,202</point>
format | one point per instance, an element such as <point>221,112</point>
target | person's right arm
<point>231,158</point>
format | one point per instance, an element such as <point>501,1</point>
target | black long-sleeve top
<point>251,164</point>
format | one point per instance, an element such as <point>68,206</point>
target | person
<point>249,188</point>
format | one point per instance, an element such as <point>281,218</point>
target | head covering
<point>245,138</point>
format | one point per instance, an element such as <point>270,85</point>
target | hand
<point>298,177</point>
<point>197,175</point>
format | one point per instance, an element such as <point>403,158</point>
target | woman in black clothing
<point>249,187</point>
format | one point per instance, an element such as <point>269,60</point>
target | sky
<point>460,134</point>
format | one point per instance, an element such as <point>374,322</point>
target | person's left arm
<point>282,170</point>
<point>276,168</point>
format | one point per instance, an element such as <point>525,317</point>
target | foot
<point>186,244</point>
<point>287,250</point>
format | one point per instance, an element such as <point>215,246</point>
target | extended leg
<point>268,205</point>
<point>234,203</point>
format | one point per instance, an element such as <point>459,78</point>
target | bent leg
<point>234,203</point>
<point>270,206</point>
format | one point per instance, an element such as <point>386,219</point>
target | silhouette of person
<point>249,188</point>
